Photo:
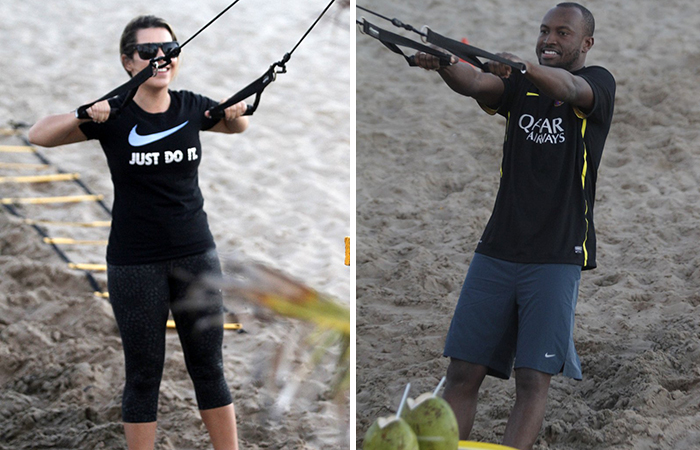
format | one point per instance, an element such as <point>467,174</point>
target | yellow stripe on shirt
<point>585,154</point>
<point>584,123</point>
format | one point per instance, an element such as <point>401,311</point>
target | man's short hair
<point>588,20</point>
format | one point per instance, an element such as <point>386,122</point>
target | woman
<point>159,230</point>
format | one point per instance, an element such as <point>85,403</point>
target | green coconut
<point>432,420</point>
<point>390,433</point>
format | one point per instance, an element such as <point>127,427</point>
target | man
<point>516,308</point>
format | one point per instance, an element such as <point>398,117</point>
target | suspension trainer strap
<point>256,87</point>
<point>310,28</point>
<point>468,52</point>
<point>131,85</point>
<point>210,22</point>
<point>393,40</point>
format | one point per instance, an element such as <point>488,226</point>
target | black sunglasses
<point>150,50</point>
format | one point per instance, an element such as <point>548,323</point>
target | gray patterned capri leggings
<point>141,296</point>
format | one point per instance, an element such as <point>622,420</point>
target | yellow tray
<point>469,445</point>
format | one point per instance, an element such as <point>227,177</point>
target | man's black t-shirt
<point>544,207</point>
<point>153,159</point>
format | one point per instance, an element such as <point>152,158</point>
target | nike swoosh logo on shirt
<point>137,140</point>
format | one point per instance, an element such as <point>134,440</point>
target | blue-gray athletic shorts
<point>516,315</point>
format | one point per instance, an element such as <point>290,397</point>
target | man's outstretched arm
<point>465,79</point>
<point>554,82</point>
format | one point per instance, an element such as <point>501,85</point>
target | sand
<point>427,175</point>
<point>279,194</point>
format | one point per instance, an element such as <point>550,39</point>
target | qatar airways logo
<point>542,131</point>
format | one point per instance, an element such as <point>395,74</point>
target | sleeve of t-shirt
<point>204,103</point>
<point>509,86</point>
<point>90,130</point>
<point>94,130</point>
<point>603,84</point>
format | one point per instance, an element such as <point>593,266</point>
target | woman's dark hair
<point>128,40</point>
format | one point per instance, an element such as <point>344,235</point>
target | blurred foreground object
<point>268,287</point>
<point>283,296</point>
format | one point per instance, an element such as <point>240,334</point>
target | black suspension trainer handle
<point>443,62</point>
<point>466,51</point>
<point>132,85</point>
<point>219,114</point>
<point>81,113</point>
<point>255,88</point>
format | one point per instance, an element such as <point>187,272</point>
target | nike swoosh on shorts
<point>137,140</point>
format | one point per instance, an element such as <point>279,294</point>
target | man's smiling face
<point>562,41</point>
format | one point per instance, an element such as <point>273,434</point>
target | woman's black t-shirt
<point>153,159</point>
